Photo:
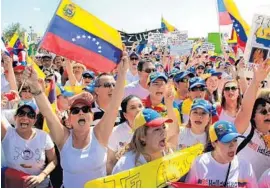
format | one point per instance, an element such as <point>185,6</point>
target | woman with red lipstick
<point>253,121</point>
<point>222,167</point>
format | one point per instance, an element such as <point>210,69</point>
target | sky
<point>199,17</point>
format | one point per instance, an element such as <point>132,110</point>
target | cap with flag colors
<point>150,118</point>
<point>80,36</point>
<point>166,27</point>
<point>229,17</point>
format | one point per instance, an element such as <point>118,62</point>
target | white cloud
<point>36,9</point>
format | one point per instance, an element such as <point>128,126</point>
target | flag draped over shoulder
<point>78,35</point>
<point>166,27</point>
<point>230,17</point>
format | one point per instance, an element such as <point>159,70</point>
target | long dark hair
<point>124,106</point>
<point>239,98</point>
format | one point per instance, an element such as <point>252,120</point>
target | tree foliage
<point>11,29</point>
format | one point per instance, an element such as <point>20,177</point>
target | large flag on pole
<point>229,16</point>
<point>166,27</point>
<point>78,35</point>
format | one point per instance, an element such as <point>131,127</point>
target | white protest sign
<point>258,45</point>
<point>177,37</point>
<point>159,39</point>
<point>183,49</point>
<point>206,46</point>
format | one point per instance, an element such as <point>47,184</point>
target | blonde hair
<point>74,64</point>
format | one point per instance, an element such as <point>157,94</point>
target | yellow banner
<point>152,175</point>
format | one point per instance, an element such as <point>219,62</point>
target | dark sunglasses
<point>87,76</point>
<point>209,64</point>
<point>107,85</point>
<point>230,88</point>
<point>198,89</point>
<point>76,110</point>
<point>264,111</point>
<point>30,115</point>
<point>148,70</point>
<point>134,58</point>
<point>183,80</point>
<point>200,68</point>
<point>248,78</point>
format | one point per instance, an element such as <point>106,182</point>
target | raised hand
<point>261,71</point>
<point>124,63</point>
<point>31,78</point>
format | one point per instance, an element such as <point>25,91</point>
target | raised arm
<point>10,76</point>
<point>243,117</point>
<point>71,76</point>
<point>104,128</point>
<point>58,132</point>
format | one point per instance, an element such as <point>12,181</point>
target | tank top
<point>82,165</point>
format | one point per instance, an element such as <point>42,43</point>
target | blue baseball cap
<point>213,72</point>
<point>150,118</point>
<point>90,88</point>
<point>196,81</point>
<point>88,73</point>
<point>157,75</point>
<point>132,54</point>
<point>205,105</point>
<point>173,72</point>
<point>181,75</point>
<point>223,131</point>
<point>192,70</point>
<point>28,104</point>
<point>60,90</point>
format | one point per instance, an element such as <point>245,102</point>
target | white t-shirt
<point>264,181</point>
<point>207,171</point>
<point>225,117</point>
<point>135,88</point>
<point>5,87</point>
<point>78,83</point>
<point>127,161</point>
<point>187,138</point>
<point>9,115</point>
<point>256,153</point>
<point>131,78</point>
<point>120,137</point>
<point>82,165</point>
<point>27,156</point>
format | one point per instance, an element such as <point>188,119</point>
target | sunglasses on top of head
<point>30,114</point>
<point>76,110</point>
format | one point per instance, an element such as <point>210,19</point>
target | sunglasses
<point>87,76</point>
<point>30,115</point>
<point>133,58</point>
<point>107,85</point>
<point>200,68</point>
<point>209,64</point>
<point>230,88</point>
<point>184,80</point>
<point>148,70</point>
<point>76,110</point>
<point>248,78</point>
<point>264,111</point>
<point>198,89</point>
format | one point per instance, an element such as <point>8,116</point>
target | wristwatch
<point>36,93</point>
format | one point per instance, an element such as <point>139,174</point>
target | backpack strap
<point>246,140</point>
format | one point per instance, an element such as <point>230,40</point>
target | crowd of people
<point>153,104</point>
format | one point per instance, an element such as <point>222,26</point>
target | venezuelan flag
<point>15,42</point>
<point>263,36</point>
<point>78,35</point>
<point>166,27</point>
<point>238,23</point>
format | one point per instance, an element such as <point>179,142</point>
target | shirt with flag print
<point>161,108</point>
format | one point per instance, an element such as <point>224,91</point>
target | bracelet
<point>36,93</point>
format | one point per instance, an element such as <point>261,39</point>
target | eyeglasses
<point>200,68</point>
<point>248,78</point>
<point>234,88</point>
<point>209,64</point>
<point>133,58</point>
<point>264,111</point>
<point>148,70</point>
<point>183,80</point>
<point>198,89</point>
<point>76,110</point>
<point>87,76</point>
<point>107,85</point>
<point>30,115</point>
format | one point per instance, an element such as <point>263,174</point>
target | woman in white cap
<point>83,150</point>
<point>222,167</point>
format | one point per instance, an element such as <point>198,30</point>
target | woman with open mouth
<point>253,121</point>
<point>148,142</point>
<point>221,167</point>
<point>83,149</point>
<point>230,101</point>
<point>196,131</point>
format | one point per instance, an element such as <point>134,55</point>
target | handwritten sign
<point>183,49</point>
<point>158,39</point>
<point>177,37</point>
<point>154,174</point>
<point>258,45</point>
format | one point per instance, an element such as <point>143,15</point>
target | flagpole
<point>220,38</point>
